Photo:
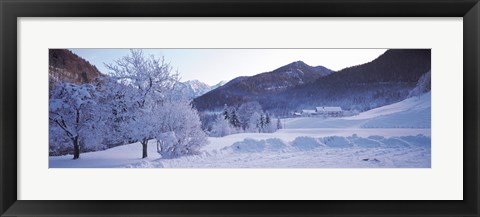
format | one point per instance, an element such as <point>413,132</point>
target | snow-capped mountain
<point>221,83</point>
<point>195,88</point>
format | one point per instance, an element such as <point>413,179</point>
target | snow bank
<point>364,142</point>
<point>300,152</point>
<point>247,145</point>
<point>306,143</point>
<point>275,144</point>
<point>395,143</point>
<point>336,142</point>
<point>418,140</point>
<point>252,145</point>
<point>318,152</point>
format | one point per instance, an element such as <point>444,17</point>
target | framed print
<point>236,125</point>
<point>318,108</point>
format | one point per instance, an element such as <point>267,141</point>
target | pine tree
<point>262,123</point>
<point>225,113</point>
<point>279,124</point>
<point>234,120</point>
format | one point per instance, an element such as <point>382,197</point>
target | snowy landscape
<point>141,116</point>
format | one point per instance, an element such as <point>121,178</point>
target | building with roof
<point>329,111</point>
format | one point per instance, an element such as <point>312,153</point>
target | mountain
<point>221,83</point>
<point>194,88</point>
<point>249,88</point>
<point>385,80</point>
<point>396,65</point>
<point>64,65</point>
<point>323,70</point>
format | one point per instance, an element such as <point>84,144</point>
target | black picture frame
<point>10,10</point>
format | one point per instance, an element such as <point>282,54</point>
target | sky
<point>212,66</point>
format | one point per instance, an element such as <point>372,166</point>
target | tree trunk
<point>144,148</point>
<point>76,148</point>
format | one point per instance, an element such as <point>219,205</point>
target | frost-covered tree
<point>254,123</point>
<point>261,123</point>
<point>116,101</point>
<point>279,124</point>
<point>73,113</point>
<point>245,112</point>
<point>59,142</point>
<point>423,85</point>
<point>166,143</point>
<point>221,127</point>
<point>177,119</point>
<point>268,127</point>
<point>148,81</point>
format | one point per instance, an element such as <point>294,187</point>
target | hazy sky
<point>214,65</point>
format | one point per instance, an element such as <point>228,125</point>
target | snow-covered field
<point>413,112</point>
<point>393,136</point>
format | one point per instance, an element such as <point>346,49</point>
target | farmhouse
<point>322,112</point>
<point>329,111</point>
<point>308,113</point>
